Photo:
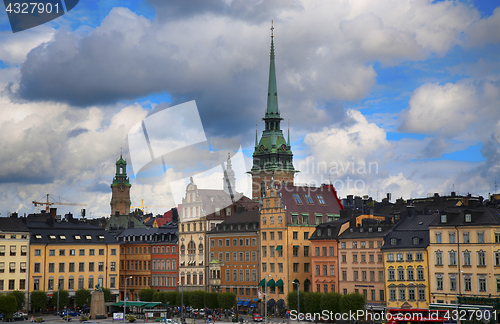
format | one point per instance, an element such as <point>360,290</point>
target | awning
<point>246,303</point>
<point>296,246</point>
<point>150,305</point>
<point>262,282</point>
<point>279,283</point>
<point>118,304</point>
<point>240,303</point>
<point>271,283</point>
<point>279,247</point>
<point>253,305</point>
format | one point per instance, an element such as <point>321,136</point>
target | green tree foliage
<point>212,300</point>
<point>63,298</point>
<point>352,303</point>
<point>82,297</point>
<point>312,302</point>
<point>226,300</point>
<point>171,298</point>
<point>39,300</point>
<point>197,299</point>
<point>8,305</point>
<point>331,302</point>
<point>146,294</point>
<point>185,297</point>
<point>20,298</point>
<point>107,294</point>
<point>291,300</point>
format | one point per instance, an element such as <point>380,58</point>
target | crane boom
<point>49,203</point>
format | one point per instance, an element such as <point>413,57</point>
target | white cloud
<point>484,31</point>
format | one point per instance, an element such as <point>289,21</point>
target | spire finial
<point>272,28</point>
<point>121,152</point>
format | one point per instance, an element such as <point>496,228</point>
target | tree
<point>227,300</point>
<point>20,298</point>
<point>291,300</point>
<point>107,294</point>
<point>39,300</point>
<point>171,298</point>
<point>331,302</point>
<point>63,298</point>
<point>8,305</point>
<point>352,303</point>
<point>312,302</point>
<point>146,294</point>
<point>212,300</point>
<point>197,299</point>
<point>82,297</point>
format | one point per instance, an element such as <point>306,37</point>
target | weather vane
<point>272,28</point>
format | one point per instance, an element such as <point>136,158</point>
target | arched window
<point>162,264</point>
<point>154,264</point>
<point>168,264</point>
<point>183,249</point>
<point>162,250</point>
<point>200,249</point>
<point>168,249</point>
<point>191,248</point>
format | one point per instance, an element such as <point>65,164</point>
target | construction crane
<point>144,207</point>
<point>49,203</point>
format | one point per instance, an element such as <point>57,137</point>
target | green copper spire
<point>272,92</point>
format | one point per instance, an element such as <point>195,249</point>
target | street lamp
<point>182,301</point>
<point>125,298</point>
<point>265,298</point>
<point>57,285</point>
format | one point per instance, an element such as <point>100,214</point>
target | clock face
<point>262,148</point>
<point>283,148</point>
<point>121,188</point>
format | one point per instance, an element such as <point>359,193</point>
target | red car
<point>257,317</point>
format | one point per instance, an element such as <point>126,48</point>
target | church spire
<point>272,92</point>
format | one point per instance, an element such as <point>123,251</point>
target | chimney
<point>53,212</point>
<point>388,196</point>
<point>453,193</point>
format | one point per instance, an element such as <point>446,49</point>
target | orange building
<point>234,256</point>
<point>324,255</point>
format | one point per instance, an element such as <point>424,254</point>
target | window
<point>452,256</point>
<point>81,266</point>
<point>466,237</point>
<point>295,251</point>
<point>410,274</point>
<point>101,251</point>
<point>480,237</point>
<point>343,245</point>
<point>355,258</point>
<point>354,245</point>
<point>280,267</point>
<point>264,267</point>
<point>453,282</point>
<point>325,270</point>
<point>401,274</point>
<point>481,259</point>
<point>439,281</point>
<point>319,219</point>
<point>497,237</point>
<point>482,283</point>
<point>355,275</point>
<point>92,251</point>
<point>324,250</point>
<point>416,241</point>
<point>295,267</point>
<point>305,219</point>
<point>467,283</point>
<point>452,237</point>
<point>363,275</point>
<point>381,276</point>
<point>332,251</point>
<point>297,199</point>
<point>438,238</point>
<point>91,283</point>
<point>264,251</point>
<point>420,274</point>
<point>12,267</point>
<point>394,241</point>
<point>409,257</point>
<point>411,293</point>
<point>271,237</point>
<point>400,257</point>
<point>71,267</point>
<point>320,199</point>
<point>466,258</point>
<point>497,259</point>
<point>344,275</point>
<point>306,267</point>
<point>271,219</point>
<point>264,236</point>
<point>419,256</point>
<point>402,294</point>
<point>271,267</point>
<point>438,258</point>
<point>390,257</point>
<point>61,266</point>
<point>62,252</point>
<point>52,252</point>
<point>113,251</point>
<point>52,267</point>
<point>112,266</point>
<point>372,275</point>
<point>443,218</point>
<point>271,251</point>
<point>344,258</point>
<point>91,266</point>
<point>280,235</point>
<point>306,251</point>
<point>391,275</point>
<point>362,244</point>
<point>295,235</point>
<point>101,266</point>
<point>309,199</point>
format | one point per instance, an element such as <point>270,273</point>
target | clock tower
<point>272,157</point>
<point>120,190</point>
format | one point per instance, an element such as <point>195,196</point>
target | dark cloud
<point>77,131</point>
<point>99,186</point>
<point>248,10</point>
<point>435,148</point>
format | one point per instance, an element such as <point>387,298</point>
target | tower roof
<point>272,110</point>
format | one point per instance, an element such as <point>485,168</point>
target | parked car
<point>69,312</point>
<point>20,316</point>
<point>257,317</point>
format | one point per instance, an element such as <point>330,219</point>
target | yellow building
<point>464,254</point>
<point>406,259</point>
<point>288,218</point>
<point>14,242</point>
<point>70,256</point>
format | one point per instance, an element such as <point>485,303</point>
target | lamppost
<point>298,299</point>
<point>125,298</point>
<point>182,301</point>
<point>57,285</point>
<point>265,298</point>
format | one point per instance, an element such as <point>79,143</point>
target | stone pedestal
<point>97,308</point>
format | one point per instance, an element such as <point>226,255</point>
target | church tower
<point>120,190</point>
<point>272,157</point>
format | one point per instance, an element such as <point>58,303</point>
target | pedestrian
<point>32,319</point>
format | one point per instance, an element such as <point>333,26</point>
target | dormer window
<point>361,230</point>
<point>394,241</point>
<point>319,232</point>
<point>351,230</point>
<point>320,199</point>
<point>78,237</point>
<point>416,240</point>
<point>38,237</point>
<point>468,218</point>
<point>297,199</point>
<point>101,237</point>
<point>88,237</point>
<point>62,237</point>
<point>379,229</point>
<point>52,237</point>
<point>443,218</point>
<point>309,199</point>
<point>370,229</point>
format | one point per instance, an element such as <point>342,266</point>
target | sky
<point>393,96</point>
